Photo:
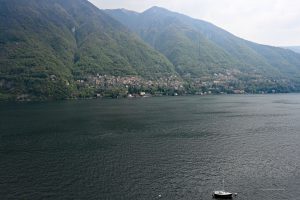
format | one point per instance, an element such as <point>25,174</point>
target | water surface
<point>176,147</point>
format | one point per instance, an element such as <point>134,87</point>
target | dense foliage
<point>197,47</point>
<point>45,46</point>
<point>59,49</point>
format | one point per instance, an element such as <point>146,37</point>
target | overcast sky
<point>273,22</point>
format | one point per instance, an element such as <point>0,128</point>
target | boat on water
<point>222,194</point>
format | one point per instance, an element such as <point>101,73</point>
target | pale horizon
<point>265,22</point>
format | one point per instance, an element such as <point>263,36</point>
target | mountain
<point>59,49</point>
<point>198,48</point>
<point>52,48</point>
<point>293,48</point>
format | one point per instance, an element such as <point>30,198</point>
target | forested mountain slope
<point>46,46</point>
<point>197,47</point>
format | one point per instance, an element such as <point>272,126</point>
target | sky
<point>272,22</point>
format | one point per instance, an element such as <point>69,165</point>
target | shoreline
<point>36,99</point>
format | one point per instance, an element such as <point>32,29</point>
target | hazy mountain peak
<point>122,10</point>
<point>156,9</point>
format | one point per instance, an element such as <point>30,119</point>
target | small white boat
<point>221,194</point>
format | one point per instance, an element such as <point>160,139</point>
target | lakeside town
<point>228,82</point>
<point>110,86</point>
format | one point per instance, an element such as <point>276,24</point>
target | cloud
<point>273,22</point>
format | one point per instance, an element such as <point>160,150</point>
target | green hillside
<point>47,46</point>
<point>187,49</point>
<point>197,47</point>
<point>59,49</point>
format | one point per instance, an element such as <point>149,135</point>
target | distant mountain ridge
<point>293,48</point>
<point>195,46</point>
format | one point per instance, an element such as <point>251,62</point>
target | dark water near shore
<point>179,147</point>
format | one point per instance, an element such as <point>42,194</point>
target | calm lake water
<point>176,147</point>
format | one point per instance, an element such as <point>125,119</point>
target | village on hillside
<point>229,82</point>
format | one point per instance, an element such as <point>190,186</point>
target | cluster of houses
<point>225,82</point>
<point>107,81</point>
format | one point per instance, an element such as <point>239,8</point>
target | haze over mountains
<point>294,48</point>
<point>194,46</point>
<point>61,49</point>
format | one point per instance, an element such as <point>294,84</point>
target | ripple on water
<point>179,148</point>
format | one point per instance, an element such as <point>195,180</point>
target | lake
<point>176,147</point>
